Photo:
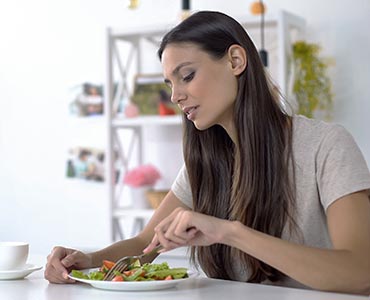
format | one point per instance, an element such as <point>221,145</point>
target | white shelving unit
<point>137,126</point>
<point>130,61</point>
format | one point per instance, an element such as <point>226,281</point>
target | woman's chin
<point>201,126</point>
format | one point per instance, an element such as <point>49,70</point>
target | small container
<point>13,255</point>
<point>155,197</point>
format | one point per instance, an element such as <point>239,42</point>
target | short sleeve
<point>181,187</point>
<point>341,167</point>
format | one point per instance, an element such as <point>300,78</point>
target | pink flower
<point>142,175</point>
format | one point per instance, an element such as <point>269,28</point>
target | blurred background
<point>47,48</point>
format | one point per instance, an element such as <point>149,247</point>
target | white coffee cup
<point>13,255</point>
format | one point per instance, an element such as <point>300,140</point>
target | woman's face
<point>204,88</point>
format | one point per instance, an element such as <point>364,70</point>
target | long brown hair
<point>249,181</point>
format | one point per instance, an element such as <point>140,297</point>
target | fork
<point>122,264</point>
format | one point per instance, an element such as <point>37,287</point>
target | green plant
<point>312,87</point>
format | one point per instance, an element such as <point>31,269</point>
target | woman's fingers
<point>61,260</point>
<point>179,230</point>
<point>57,275</point>
<point>159,237</point>
<point>167,231</point>
<point>152,245</point>
<point>72,259</point>
<point>176,230</point>
<point>55,271</point>
<point>167,243</point>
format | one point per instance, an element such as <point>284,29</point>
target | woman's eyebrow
<point>177,70</point>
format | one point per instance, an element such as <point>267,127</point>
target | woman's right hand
<point>61,261</point>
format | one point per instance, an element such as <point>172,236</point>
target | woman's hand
<point>61,261</point>
<point>187,228</point>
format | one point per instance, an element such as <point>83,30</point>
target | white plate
<point>132,285</point>
<point>20,273</point>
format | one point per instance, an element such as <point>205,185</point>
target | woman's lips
<point>191,112</point>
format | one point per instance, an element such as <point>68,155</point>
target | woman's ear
<point>238,59</point>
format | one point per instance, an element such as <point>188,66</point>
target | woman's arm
<point>135,246</point>
<point>345,268</point>
<point>61,260</point>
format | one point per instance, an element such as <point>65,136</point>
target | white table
<point>35,287</point>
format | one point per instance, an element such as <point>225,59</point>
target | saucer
<point>19,273</point>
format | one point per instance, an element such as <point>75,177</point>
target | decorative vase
<point>138,197</point>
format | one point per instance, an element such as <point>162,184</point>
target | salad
<point>135,272</point>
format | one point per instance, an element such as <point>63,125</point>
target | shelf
<point>86,120</point>
<point>248,21</point>
<point>147,121</point>
<point>131,34</point>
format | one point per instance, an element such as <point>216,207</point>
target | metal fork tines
<point>123,263</point>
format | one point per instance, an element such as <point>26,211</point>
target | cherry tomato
<point>108,264</point>
<point>118,278</point>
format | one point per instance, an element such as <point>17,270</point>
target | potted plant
<point>312,87</point>
<point>141,179</point>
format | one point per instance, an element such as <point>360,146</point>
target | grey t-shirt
<point>328,166</point>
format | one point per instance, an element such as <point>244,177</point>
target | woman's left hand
<point>187,228</point>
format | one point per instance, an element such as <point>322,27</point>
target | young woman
<point>263,196</point>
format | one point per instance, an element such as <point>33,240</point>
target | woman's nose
<point>177,95</point>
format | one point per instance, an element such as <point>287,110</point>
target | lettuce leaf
<point>79,274</point>
<point>176,273</point>
<point>91,276</point>
<point>148,268</point>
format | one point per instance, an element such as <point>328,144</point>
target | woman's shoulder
<point>303,123</point>
<point>314,138</point>
<point>308,130</point>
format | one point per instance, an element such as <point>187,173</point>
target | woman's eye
<point>189,77</point>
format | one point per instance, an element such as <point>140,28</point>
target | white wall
<point>47,47</point>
